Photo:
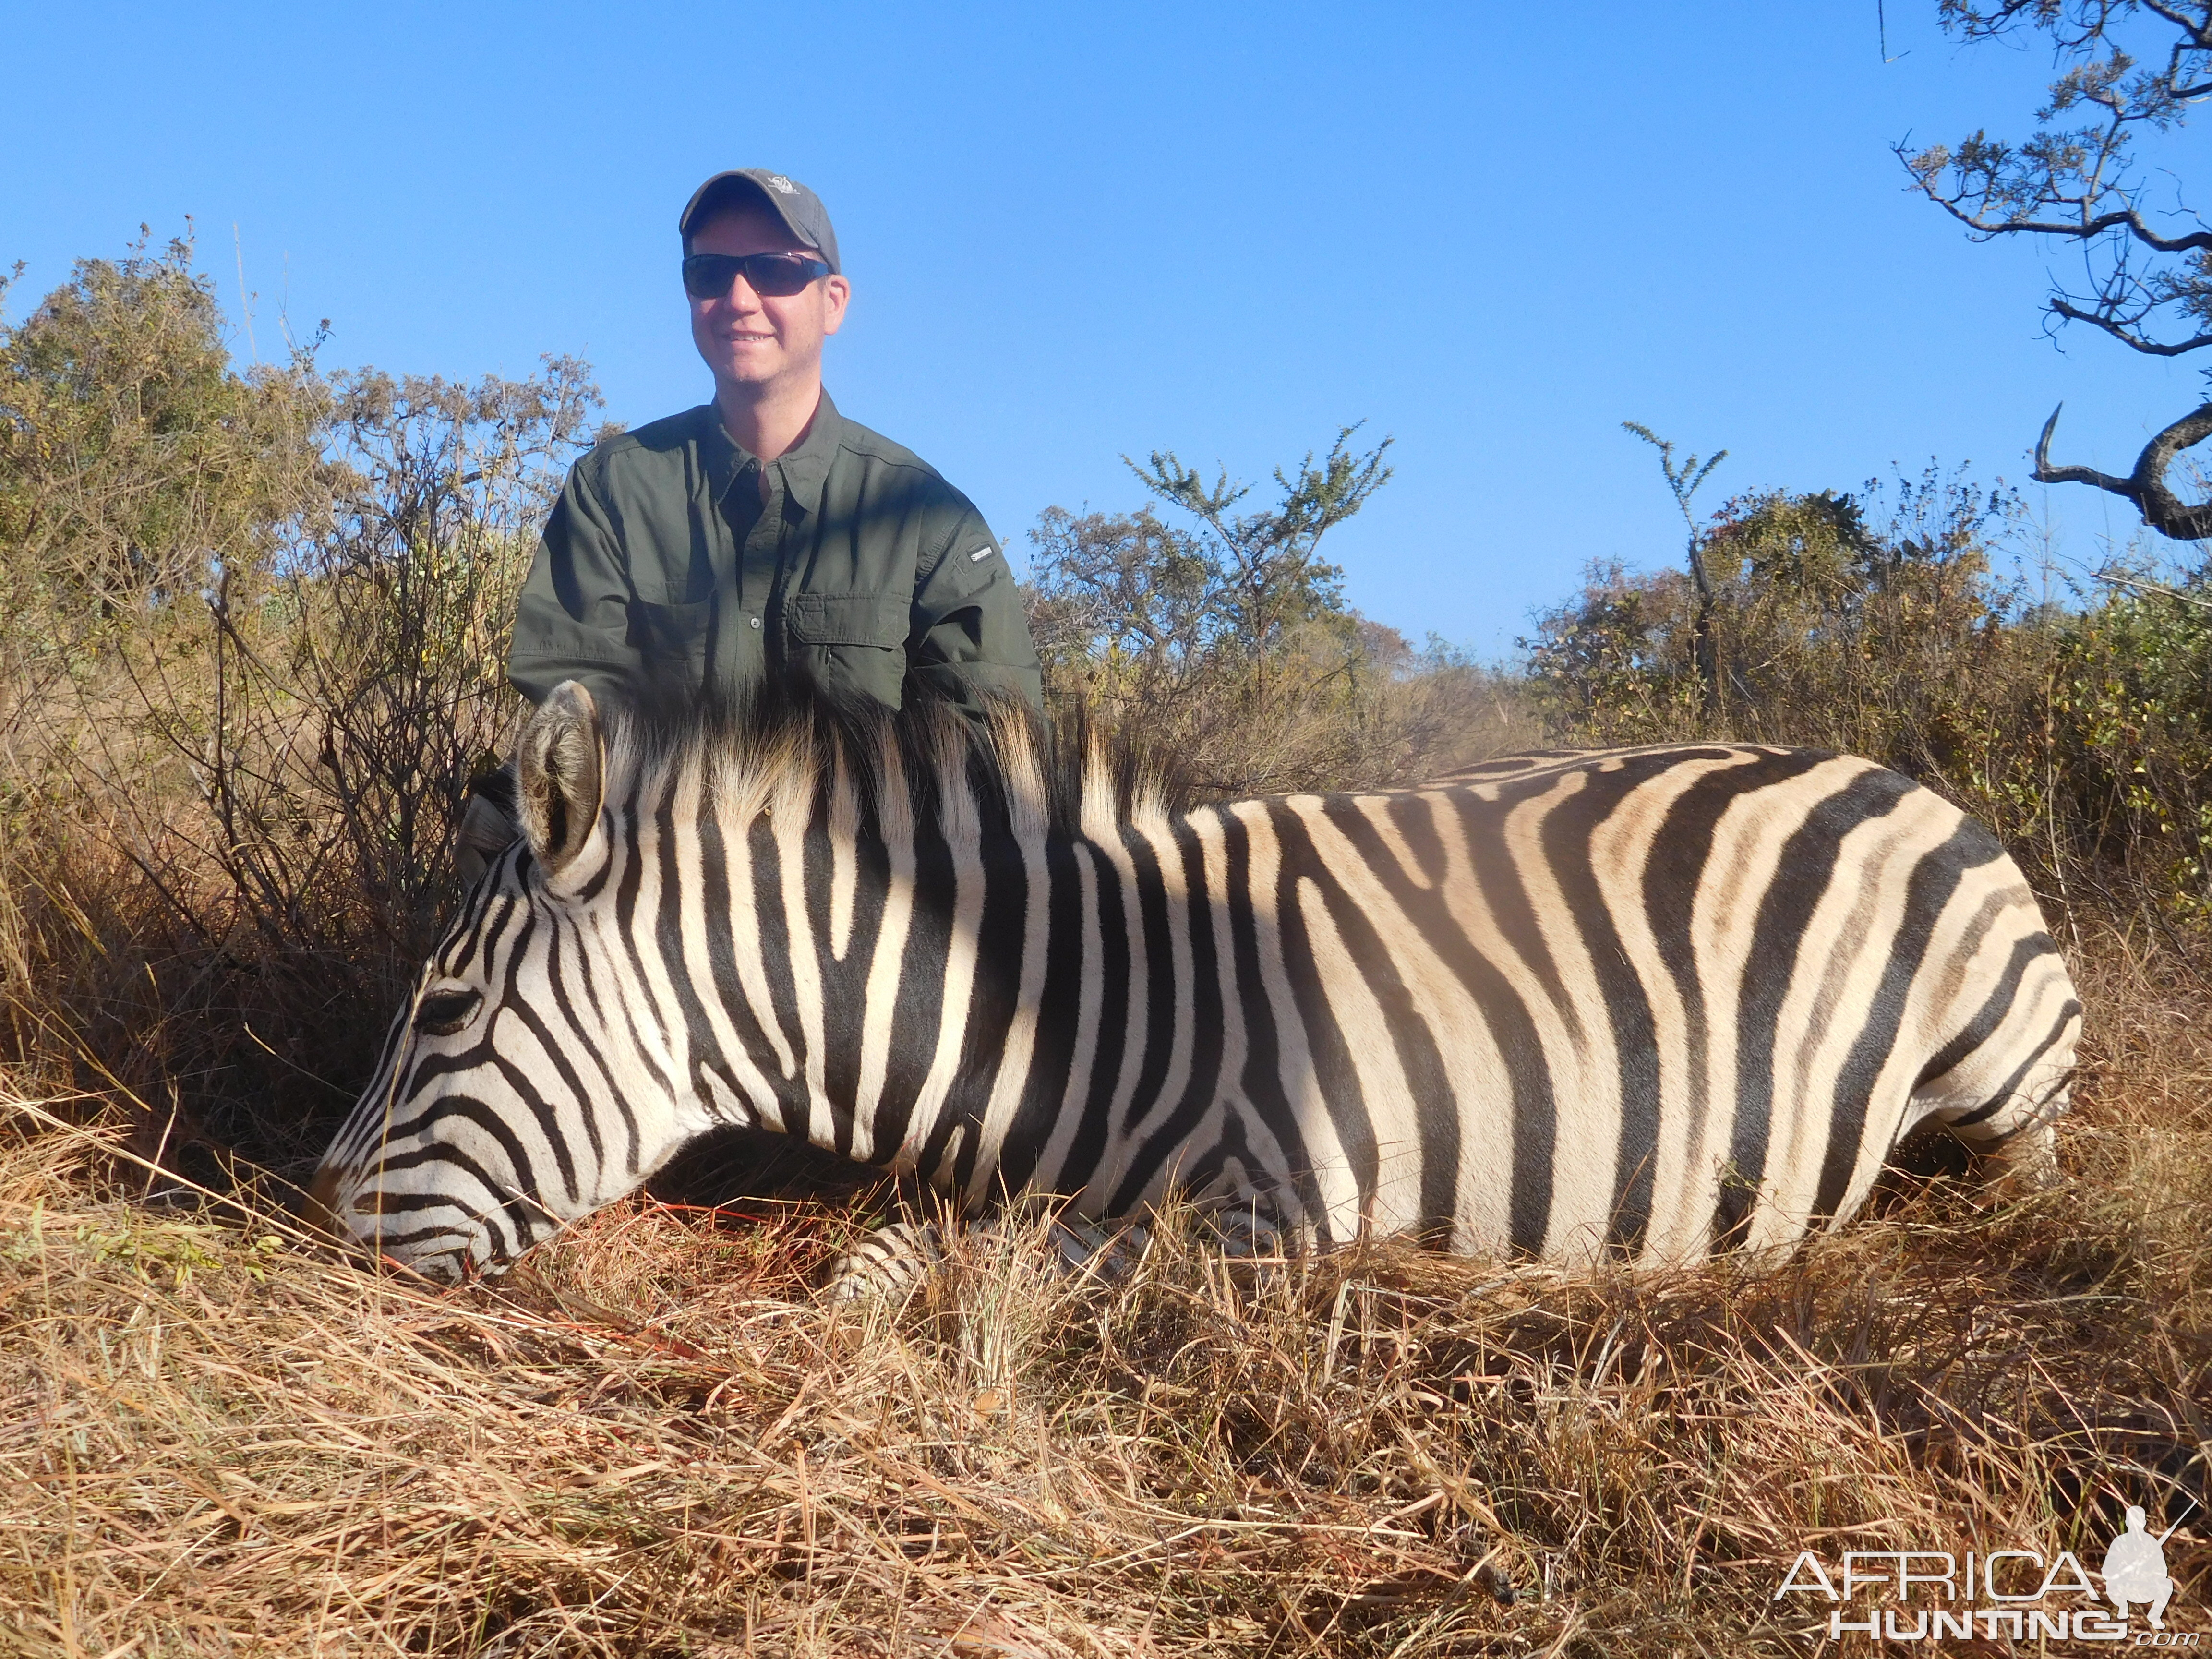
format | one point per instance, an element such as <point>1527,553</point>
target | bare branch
<point>2125,219</point>
<point>2143,585</point>
<point>2125,335</point>
<point>2161,509</point>
<point>2082,184</point>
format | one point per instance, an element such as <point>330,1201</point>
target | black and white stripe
<point>1652,1003</point>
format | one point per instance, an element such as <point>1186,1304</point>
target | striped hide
<point>1652,1003</point>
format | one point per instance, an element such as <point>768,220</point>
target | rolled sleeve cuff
<point>535,674</point>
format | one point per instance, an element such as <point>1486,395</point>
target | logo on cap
<point>776,181</point>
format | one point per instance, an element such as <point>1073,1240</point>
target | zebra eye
<point>442,1013</point>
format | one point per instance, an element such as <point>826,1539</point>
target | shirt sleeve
<point>571,618</point>
<point>970,637</point>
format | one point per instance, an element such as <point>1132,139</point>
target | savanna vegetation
<point>249,644</point>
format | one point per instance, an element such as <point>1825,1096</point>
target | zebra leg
<point>889,1261</point>
<point>2023,1158</point>
<point>898,1255</point>
<point>1249,1231</point>
<point>1108,1250</point>
<point>2007,1111</point>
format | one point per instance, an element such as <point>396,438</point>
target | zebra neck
<point>991,1011</point>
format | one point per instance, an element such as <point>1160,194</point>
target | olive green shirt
<point>863,572</point>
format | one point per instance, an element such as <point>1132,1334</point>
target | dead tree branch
<point>2146,487</point>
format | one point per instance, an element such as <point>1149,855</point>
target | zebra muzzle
<point>318,1209</point>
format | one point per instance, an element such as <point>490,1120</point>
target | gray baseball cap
<point>799,208</point>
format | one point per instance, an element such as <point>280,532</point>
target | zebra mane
<point>780,750</point>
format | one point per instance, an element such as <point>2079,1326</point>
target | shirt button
<point>752,621</point>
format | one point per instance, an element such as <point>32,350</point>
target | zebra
<point>1647,1004</point>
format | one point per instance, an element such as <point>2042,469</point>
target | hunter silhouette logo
<point>2135,1571</point>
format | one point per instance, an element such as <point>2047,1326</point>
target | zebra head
<point>516,1089</point>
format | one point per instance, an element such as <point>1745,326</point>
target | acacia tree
<point>1171,602</point>
<point>2146,265</point>
<point>1267,574</point>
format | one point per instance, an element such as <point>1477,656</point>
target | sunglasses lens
<point>777,275</point>
<point>709,275</point>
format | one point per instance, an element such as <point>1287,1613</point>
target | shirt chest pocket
<point>851,645</point>
<point>848,619</point>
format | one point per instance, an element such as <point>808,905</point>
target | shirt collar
<point>805,469</point>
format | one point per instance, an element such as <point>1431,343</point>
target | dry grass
<point>655,1439</point>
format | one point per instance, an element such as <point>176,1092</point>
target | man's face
<point>755,341</point>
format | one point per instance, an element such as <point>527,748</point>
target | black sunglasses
<point>777,276</point>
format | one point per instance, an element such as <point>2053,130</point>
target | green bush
<point>1223,645</point>
<point>2083,737</point>
<point>2129,741</point>
<point>253,638</point>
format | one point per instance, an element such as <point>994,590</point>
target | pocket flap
<point>849,618</point>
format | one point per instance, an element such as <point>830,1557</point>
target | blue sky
<point>1493,231</point>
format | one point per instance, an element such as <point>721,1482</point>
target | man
<point>763,534</point>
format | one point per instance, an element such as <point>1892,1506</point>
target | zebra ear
<point>490,822</point>
<point>559,763</point>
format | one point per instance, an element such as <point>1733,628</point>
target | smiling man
<point>763,534</point>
